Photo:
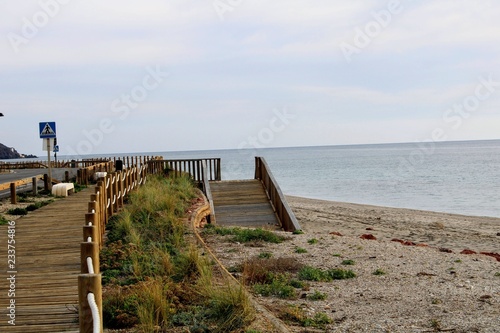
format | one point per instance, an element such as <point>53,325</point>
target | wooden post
<point>89,283</point>
<point>45,182</point>
<point>66,176</point>
<point>34,182</point>
<point>93,217</point>
<point>116,192</point>
<point>102,202</point>
<point>90,231</point>
<point>109,196</point>
<point>121,188</point>
<point>89,249</point>
<point>13,194</point>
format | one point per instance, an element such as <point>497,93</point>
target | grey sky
<point>342,72</point>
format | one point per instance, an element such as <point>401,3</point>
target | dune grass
<point>154,278</point>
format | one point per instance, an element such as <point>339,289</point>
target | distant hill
<point>10,153</point>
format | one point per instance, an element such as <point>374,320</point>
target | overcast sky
<point>155,75</point>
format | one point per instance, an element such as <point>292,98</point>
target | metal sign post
<point>47,132</point>
<point>48,162</point>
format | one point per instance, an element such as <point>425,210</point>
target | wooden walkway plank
<point>243,203</point>
<point>47,267</point>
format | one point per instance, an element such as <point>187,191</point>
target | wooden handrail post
<point>90,231</point>
<point>46,182</point>
<point>13,194</point>
<point>34,182</point>
<point>89,283</point>
<point>89,249</point>
<point>121,188</point>
<point>116,192</point>
<point>92,216</point>
<point>109,196</point>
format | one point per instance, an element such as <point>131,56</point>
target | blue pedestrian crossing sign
<point>47,130</point>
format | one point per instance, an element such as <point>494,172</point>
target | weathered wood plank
<point>242,203</point>
<point>47,264</point>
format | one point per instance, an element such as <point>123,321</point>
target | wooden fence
<point>194,167</point>
<point>86,175</point>
<point>107,201</point>
<point>263,173</point>
<point>126,161</point>
<point>44,164</point>
<point>21,182</point>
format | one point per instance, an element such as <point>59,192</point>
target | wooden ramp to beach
<point>47,254</point>
<point>255,203</point>
<point>243,203</point>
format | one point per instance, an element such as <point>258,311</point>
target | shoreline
<point>443,230</point>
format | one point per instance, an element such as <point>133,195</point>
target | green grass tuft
<point>3,220</point>
<point>17,211</point>
<point>300,250</point>
<point>265,255</point>
<point>379,272</point>
<point>309,273</point>
<point>317,296</point>
<point>245,235</point>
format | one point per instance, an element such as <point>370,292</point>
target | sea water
<point>454,177</point>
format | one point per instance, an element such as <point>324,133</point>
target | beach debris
<point>425,274</point>
<point>498,233</point>
<point>409,243</point>
<point>335,233</point>
<point>445,250</point>
<point>490,254</point>
<point>467,251</point>
<point>368,237</point>
<point>370,229</point>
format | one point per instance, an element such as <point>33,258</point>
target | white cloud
<point>265,54</point>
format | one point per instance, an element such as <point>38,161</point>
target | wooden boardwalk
<point>243,203</point>
<point>47,267</point>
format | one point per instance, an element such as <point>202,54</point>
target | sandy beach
<point>426,285</point>
<point>455,232</point>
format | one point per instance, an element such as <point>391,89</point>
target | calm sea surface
<point>454,177</point>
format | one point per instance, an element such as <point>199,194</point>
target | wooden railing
<point>283,211</point>
<point>208,192</point>
<point>107,201</point>
<point>127,162</point>
<point>194,167</point>
<point>22,165</point>
<point>86,175</point>
<point>14,185</point>
<point>59,164</point>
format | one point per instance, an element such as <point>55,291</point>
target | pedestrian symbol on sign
<point>47,130</point>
